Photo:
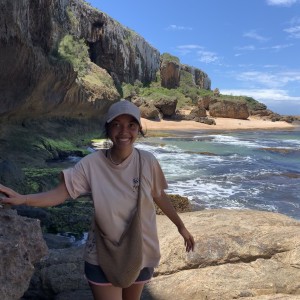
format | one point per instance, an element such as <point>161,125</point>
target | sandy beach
<point>221,124</point>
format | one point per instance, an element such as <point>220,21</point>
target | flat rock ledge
<point>239,254</point>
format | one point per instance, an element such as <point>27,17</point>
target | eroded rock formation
<point>229,109</point>
<point>238,254</point>
<point>35,81</point>
<point>170,74</point>
<point>200,78</point>
<point>122,52</point>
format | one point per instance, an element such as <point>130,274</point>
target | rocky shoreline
<point>238,254</point>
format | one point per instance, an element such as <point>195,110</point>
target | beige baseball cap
<point>123,107</point>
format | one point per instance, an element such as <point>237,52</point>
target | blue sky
<point>247,47</point>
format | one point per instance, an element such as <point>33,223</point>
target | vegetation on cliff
<point>187,94</point>
<point>76,52</point>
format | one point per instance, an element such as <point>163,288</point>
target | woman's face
<point>123,131</point>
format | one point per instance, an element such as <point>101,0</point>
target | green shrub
<point>156,93</point>
<point>76,52</point>
<point>129,90</point>
<point>186,79</point>
<point>169,58</point>
<point>72,18</point>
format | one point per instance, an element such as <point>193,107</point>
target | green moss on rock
<point>180,203</point>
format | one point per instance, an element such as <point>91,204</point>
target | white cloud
<point>202,55</point>
<point>270,66</point>
<point>281,2</point>
<point>271,80</point>
<point>246,48</point>
<point>253,48</point>
<point>262,94</point>
<point>279,47</point>
<point>177,27</point>
<point>294,32</point>
<point>190,46</point>
<point>254,35</point>
<point>245,65</point>
<point>186,49</point>
<point>207,56</point>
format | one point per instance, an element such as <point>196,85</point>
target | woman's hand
<point>53,197</point>
<point>188,239</point>
<point>12,197</point>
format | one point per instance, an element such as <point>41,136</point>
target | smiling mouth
<point>123,139</point>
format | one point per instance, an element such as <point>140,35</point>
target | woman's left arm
<point>164,203</point>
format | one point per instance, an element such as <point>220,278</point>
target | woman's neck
<point>117,156</point>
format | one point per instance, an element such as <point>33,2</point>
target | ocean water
<point>233,170</point>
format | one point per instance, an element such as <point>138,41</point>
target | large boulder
<point>198,112</point>
<point>167,106</point>
<point>62,272</point>
<point>149,111</point>
<point>238,254</point>
<point>229,109</point>
<point>21,247</point>
<point>206,101</point>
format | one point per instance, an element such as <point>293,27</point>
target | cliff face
<point>36,82</point>
<point>123,53</point>
<point>32,82</point>
<point>171,72</point>
<point>200,78</point>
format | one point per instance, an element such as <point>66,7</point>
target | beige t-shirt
<point>114,190</point>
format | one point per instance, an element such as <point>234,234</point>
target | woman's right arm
<point>51,198</point>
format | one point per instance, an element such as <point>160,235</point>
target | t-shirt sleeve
<point>76,180</point>
<point>159,180</point>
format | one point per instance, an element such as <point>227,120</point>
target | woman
<point>112,177</point>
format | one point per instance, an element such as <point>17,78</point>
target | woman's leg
<point>133,292</point>
<point>109,292</point>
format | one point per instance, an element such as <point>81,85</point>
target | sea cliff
<point>37,81</point>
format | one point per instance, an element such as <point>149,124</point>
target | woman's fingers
<point>9,196</point>
<point>6,191</point>
<point>188,239</point>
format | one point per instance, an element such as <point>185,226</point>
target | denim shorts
<point>95,275</point>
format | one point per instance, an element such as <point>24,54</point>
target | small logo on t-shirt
<point>136,183</point>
